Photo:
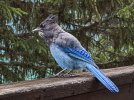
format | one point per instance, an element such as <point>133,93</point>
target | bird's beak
<point>36,29</point>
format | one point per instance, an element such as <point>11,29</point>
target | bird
<point>68,51</point>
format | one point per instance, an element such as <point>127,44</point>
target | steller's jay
<point>68,51</point>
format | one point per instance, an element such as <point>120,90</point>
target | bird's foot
<point>70,75</point>
<point>64,76</point>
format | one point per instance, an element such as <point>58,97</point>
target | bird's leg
<point>70,74</point>
<point>67,74</point>
<point>69,71</point>
<point>60,72</point>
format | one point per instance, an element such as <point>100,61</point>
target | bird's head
<point>47,24</point>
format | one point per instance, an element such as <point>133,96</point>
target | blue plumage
<point>102,78</point>
<point>80,58</point>
<point>78,53</point>
<point>68,52</point>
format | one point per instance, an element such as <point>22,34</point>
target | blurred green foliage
<point>104,27</point>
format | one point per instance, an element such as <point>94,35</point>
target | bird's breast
<point>61,57</point>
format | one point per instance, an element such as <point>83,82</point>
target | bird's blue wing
<point>79,53</point>
<point>92,67</point>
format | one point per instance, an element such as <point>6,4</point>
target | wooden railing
<point>84,87</point>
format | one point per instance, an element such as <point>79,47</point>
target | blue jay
<point>68,51</point>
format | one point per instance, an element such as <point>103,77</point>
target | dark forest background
<point>104,27</point>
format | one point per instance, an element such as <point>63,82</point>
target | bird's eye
<point>52,17</point>
<point>41,26</point>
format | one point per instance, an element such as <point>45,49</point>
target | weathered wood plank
<point>72,88</point>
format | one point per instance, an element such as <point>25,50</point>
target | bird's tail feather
<point>102,78</point>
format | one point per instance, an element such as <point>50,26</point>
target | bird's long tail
<point>102,78</point>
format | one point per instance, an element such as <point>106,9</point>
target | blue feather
<point>103,79</point>
<point>79,54</point>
